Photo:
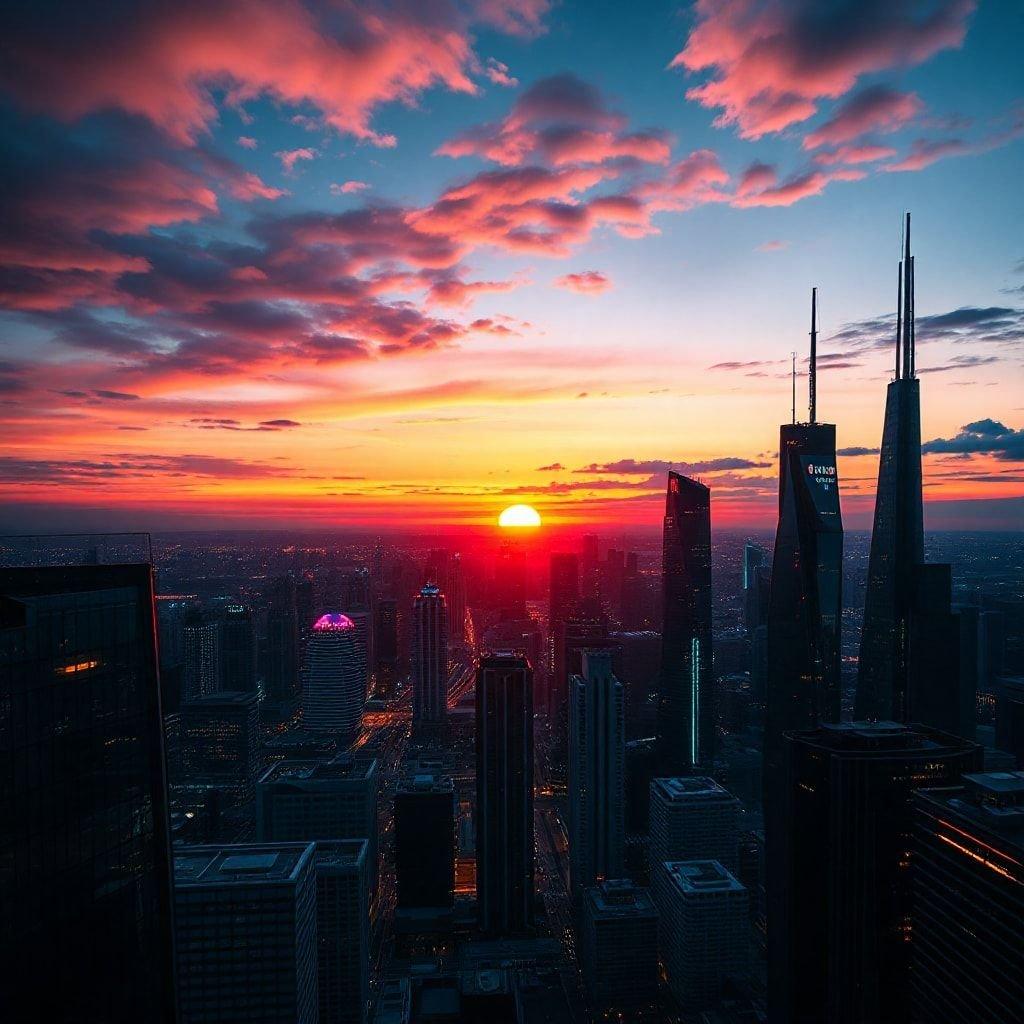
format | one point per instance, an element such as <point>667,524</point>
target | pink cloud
<point>451,291</point>
<point>795,188</point>
<point>246,142</point>
<point>586,282</point>
<point>878,109</point>
<point>347,188</point>
<point>756,178</point>
<point>773,245</point>
<point>498,72</point>
<point>248,186</point>
<point>771,62</point>
<point>290,157</point>
<point>865,153</point>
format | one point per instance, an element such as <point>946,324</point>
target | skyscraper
<point>563,593</point>
<point>335,689</point>
<point>425,842</point>
<point>841,923</point>
<point>429,659</point>
<point>385,635</point>
<point>238,649</point>
<point>282,686</point>
<point>596,774</point>
<point>897,539</point>
<point>693,818</point>
<point>201,674</point>
<point>686,712</point>
<point>85,876</point>
<point>968,909</point>
<point>456,597</point>
<point>504,793</point>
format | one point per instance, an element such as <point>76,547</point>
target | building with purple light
<point>334,690</point>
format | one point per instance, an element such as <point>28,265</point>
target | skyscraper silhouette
<point>429,658</point>
<point>685,702</point>
<point>897,539</point>
<point>335,690</point>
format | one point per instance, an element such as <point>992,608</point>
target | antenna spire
<point>793,355</point>
<point>812,368</point>
<point>907,338</point>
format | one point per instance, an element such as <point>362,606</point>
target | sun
<point>518,516</point>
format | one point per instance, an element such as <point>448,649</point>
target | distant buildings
<point>238,649</point>
<point>425,843</point>
<point>85,896</point>
<point>686,712</point>
<point>246,925</point>
<point>504,793</point>
<point>839,941</point>
<point>596,774</point>
<point>693,818</point>
<point>1009,733</point>
<point>385,635</point>
<point>618,946</point>
<point>563,594</point>
<point>429,659</point>
<point>705,927</point>
<point>335,687</point>
<point>968,901</point>
<point>201,672</point>
<point>281,682</point>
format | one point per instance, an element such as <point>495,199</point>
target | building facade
<point>425,842</point>
<point>335,688</point>
<point>429,659</point>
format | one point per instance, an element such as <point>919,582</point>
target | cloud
<point>925,152</point>
<point>1001,325</point>
<point>865,153</point>
<point>877,108</point>
<point>586,282</point>
<point>347,188</point>
<point>498,73</point>
<point>773,245</point>
<point>555,467</point>
<point>247,142</point>
<point>290,157</point>
<point>648,466</point>
<point>856,450</point>
<point>986,436</point>
<point>771,62</point>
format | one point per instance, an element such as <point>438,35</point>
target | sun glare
<point>519,515</point>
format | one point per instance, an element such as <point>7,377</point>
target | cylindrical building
<point>335,689</point>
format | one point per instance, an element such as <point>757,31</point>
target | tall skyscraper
<point>563,594</point>
<point>456,597</point>
<point>841,929</point>
<point>238,649</point>
<point>281,681</point>
<point>85,875</point>
<point>693,818</point>
<point>686,712</point>
<point>201,674</point>
<point>504,793</point>
<point>756,586</point>
<point>385,635</point>
<point>335,689</point>
<point>968,908</point>
<point>425,842</point>
<point>897,539</point>
<point>429,659</point>
<point>597,737</point>
<point>246,926</point>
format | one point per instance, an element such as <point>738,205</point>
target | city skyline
<point>227,301</point>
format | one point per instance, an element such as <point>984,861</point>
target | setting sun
<point>519,515</point>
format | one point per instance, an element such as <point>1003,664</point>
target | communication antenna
<point>793,354</point>
<point>812,368</point>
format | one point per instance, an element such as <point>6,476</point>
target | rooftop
<point>701,876</point>
<point>333,622</point>
<point>619,897</point>
<point>242,864</point>
<point>683,788</point>
<point>311,770</point>
<point>340,852</point>
<point>993,800</point>
<point>880,737</point>
<point>425,783</point>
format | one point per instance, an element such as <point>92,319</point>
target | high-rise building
<point>619,946</point>
<point>755,586</point>
<point>281,680</point>
<point>335,689</point>
<point>246,928</point>
<point>456,597</point>
<point>425,842</point>
<point>238,649</point>
<point>1009,731</point>
<point>304,800</point>
<point>636,662</point>
<point>596,774</point>
<point>840,929</point>
<point>563,594</point>
<point>429,659</point>
<point>201,675</point>
<point>968,901</point>
<point>693,818</point>
<point>85,876</point>
<point>897,539</point>
<point>342,930</point>
<point>385,635</point>
<point>219,744</point>
<point>504,793</point>
<point>590,566</point>
<point>705,929</point>
<point>686,711</point>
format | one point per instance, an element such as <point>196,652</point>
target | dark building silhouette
<point>429,659</point>
<point>425,843</point>
<point>504,793</point>
<point>1009,731</point>
<point>686,711</point>
<point>756,580</point>
<point>201,670</point>
<point>563,595</point>
<point>238,649</point>
<point>841,924</point>
<point>281,681</point>
<point>385,636</point>
<point>897,538</point>
<point>968,917</point>
<point>85,875</point>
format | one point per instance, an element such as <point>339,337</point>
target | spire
<point>793,355</point>
<point>907,313</point>
<point>812,368</point>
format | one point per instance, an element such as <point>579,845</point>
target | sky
<point>274,264</point>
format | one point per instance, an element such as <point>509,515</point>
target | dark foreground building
<point>968,918</point>
<point>843,923</point>
<point>686,711</point>
<point>85,877</point>
<point>425,842</point>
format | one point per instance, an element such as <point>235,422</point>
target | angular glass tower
<point>897,540</point>
<point>686,713</point>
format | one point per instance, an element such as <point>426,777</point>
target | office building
<point>238,649</point>
<point>85,886</point>
<point>968,901</point>
<point>219,745</point>
<point>1009,730</point>
<point>335,688</point>
<point>840,938</point>
<point>246,933</point>
<point>705,929</point>
<point>756,582</point>
<point>504,793</point>
<point>281,681</point>
<point>619,946</point>
<point>456,598</point>
<point>693,818</point>
<point>563,595</point>
<point>342,930</point>
<point>429,659</point>
<point>201,673</point>
<point>686,711</point>
<point>425,842</point>
<point>596,774</point>
<point>385,635</point>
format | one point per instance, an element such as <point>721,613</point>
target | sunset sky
<point>268,263</point>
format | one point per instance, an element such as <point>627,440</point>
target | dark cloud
<point>855,450</point>
<point>626,466</point>
<point>987,437</point>
<point>553,468</point>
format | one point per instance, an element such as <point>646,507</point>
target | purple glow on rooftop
<point>333,622</point>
